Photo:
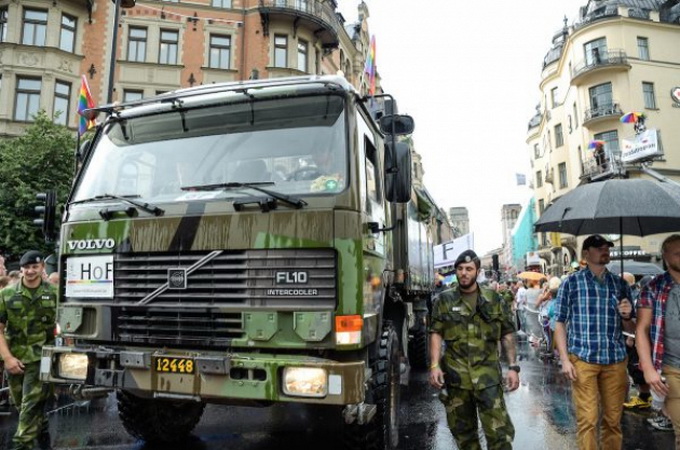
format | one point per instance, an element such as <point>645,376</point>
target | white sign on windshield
<point>89,276</point>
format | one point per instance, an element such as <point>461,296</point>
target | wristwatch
<point>515,368</point>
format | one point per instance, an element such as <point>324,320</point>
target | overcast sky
<point>468,72</point>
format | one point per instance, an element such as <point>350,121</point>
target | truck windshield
<point>297,143</point>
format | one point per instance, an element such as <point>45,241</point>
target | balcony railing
<point>612,110</point>
<point>319,12</point>
<point>602,166</point>
<point>600,59</point>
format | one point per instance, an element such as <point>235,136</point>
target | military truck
<point>243,244</point>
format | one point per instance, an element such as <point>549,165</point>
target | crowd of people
<point>615,338</point>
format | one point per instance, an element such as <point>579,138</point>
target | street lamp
<point>114,44</point>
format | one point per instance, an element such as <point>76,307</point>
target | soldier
<point>27,318</point>
<point>471,320</point>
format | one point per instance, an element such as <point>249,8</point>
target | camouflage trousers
<point>29,395</point>
<point>462,408</point>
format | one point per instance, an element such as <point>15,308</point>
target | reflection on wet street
<point>541,410</point>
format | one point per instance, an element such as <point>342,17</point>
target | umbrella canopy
<point>637,207</point>
<point>632,117</point>
<point>534,276</point>
<point>635,267</point>
<point>595,143</point>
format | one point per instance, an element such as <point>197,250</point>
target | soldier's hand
<point>568,370</point>
<point>511,380</point>
<point>437,377</point>
<point>14,366</point>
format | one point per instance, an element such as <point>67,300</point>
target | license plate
<point>174,365</point>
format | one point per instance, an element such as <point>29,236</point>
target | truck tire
<point>382,432</point>
<point>158,421</point>
<point>419,348</point>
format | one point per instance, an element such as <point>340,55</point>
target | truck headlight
<point>73,366</point>
<point>305,381</point>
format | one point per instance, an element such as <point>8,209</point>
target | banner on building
<point>446,253</point>
<point>521,179</point>
<point>642,146</point>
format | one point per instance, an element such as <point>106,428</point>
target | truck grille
<point>196,327</point>
<point>243,280</point>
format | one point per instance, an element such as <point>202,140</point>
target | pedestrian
<point>27,321</point>
<point>471,321</point>
<point>643,399</point>
<point>593,308</point>
<point>521,304</point>
<point>658,333</point>
<point>53,278</point>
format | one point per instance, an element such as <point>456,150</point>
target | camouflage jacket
<point>29,320</point>
<point>471,358</point>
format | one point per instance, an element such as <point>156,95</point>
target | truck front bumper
<point>209,377</point>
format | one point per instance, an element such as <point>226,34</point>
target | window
<point>643,48</point>
<point>372,171</point>
<point>131,95</point>
<point>67,38</point>
<point>302,56</point>
<point>559,136</point>
<point>571,124</point>
<point>537,151</point>
<point>35,27</point>
<point>280,51</point>
<point>611,141</point>
<point>62,94</point>
<point>553,97</point>
<point>136,44</point>
<point>220,52</point>
<point>600,98</point>
<point>221,3</point>
<point>562,169</point>
<point>648,94</point>
<point>539,179</point>
<point>595,51</point>
<point>27,99</point>
<point>302,5</point>
<point>168,51</point>
<point>541,206</point>
<point>3,24</point>
<point>575,116</point>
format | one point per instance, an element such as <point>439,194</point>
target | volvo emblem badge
<point>177,278</point>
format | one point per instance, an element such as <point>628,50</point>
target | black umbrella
<point>637,207</point>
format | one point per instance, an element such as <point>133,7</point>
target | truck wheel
<point>158,421</point>
<point>419,348</point>
<point>383,431</point>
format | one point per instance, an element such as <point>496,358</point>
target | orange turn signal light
<point>348,323</point>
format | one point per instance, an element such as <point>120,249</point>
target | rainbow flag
<point>369,67</point>
<point>84,102</point>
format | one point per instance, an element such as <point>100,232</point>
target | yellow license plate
<point>174,365</point>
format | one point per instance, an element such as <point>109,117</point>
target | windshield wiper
<point>148,207</point>
<point>295,202</point>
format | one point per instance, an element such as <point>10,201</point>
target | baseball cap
<point>31,257</point>
<point>466,257</point>
<point>596,241</point>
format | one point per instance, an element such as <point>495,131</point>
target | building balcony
<point>320,16</point>
<point>601,61</point>
<point>602,113</point>
<point>600,168</point>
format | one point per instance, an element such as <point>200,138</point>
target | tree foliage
<point>41,159</point>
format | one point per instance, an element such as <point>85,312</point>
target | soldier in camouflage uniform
<point>27,320</point>
<point>471,321</point>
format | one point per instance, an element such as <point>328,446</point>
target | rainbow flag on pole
<point>369,67</point>
<point>84,102</point>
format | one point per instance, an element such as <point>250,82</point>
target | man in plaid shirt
<point>593,308</point>
<point>658,332</point>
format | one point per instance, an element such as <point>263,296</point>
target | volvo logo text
<point>91,244</point>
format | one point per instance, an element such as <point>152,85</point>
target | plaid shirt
<point>589,308</point>
<point>654,296</point>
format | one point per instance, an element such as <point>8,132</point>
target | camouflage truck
<point>235,244</point>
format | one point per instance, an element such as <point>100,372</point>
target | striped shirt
<point>654,296</point>
<point>589,308</point>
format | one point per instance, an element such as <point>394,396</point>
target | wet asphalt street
<point>541,411</point>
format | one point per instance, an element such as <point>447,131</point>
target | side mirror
<point>46,212</point>
<point>398,172</point>
<point>81,153</point>
<point>397,125</point>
